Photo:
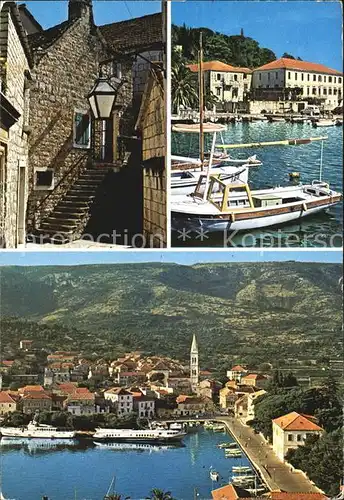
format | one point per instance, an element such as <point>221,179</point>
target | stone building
<point>86,175</point>
<point>151,125</point>
<point>228,83</point>
<point>284,78</point>
<point>15,74</point>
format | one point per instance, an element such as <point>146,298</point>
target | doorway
<point>21,205</point>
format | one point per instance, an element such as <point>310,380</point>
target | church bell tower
<point>194,368</point>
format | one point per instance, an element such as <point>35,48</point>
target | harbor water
<point>81,470</point>
<point>320,230</point>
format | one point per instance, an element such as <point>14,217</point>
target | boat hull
<point>247,220</point>
<point>26,434</point>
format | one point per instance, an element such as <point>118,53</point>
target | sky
<point>65,257</point>
<point>107,11</point>
<point>309,29</point>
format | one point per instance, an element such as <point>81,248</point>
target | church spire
<point>194,368</point>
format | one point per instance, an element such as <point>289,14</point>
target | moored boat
<point>214,476</point>
<point>137,436</point>
<point>35,430</point>
<point>227,445</point>
<point>324,122</point>
<point>219,204</point>
<point>241,469</point>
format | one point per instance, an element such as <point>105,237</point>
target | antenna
<point>321,160</point>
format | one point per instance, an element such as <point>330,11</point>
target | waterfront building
<point>122,400</point>
<point>7,403</point>
<point>190,406</point>
<point>35,401</point>
<point>209,388</point>
<point>16,63</point>
<point>80,403</point>
<point>144,406</point>
<point>230,84</point>
<point>290,78</point>
<point>194,365</point>
<point>290,431</point>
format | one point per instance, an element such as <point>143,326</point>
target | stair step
<point>79,191</point>
<point>76,198</point>
<point>67,211</point>
<point>58,226</point>
<point>63,219</point>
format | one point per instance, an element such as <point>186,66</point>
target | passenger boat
<point>35,430</point>
<point>141,435</point>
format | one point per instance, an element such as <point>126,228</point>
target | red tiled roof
<point>285,63</point>
<point>7,363</point>
<point>31,388</point>
<point>253,376</point>
<point>280,495</point>
<point>218,66</point>
<point>229,492</point>
<point>81,397</point>
<point>237,368</point>
<point>36,395</point>
<point>6,398</point>
<point>297,422</point>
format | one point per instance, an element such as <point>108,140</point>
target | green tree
<point>183,87</point>
<point>158,494</point>
<point>322,460</point>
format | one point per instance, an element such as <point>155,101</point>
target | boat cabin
<point>229,193</point>
<point>226,194</point>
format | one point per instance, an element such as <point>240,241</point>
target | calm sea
<point>319,230</point>
<point>84,471</point>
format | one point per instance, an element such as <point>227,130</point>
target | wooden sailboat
<point>228,204</point>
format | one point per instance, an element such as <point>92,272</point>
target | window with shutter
<point>82,126</point>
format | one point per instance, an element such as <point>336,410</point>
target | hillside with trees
<point>237,50</point>
<point>246,312</point>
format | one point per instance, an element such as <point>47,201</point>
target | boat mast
<point>201,101</point>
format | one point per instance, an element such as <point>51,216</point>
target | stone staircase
<point>69,218</point>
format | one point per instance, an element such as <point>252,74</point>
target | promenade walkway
<point>276,474</point>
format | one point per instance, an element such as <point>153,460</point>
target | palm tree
<point>184,93</point>
<point>160,495</point>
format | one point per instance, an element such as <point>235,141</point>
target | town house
<point>35,401</point>
<point>291,430</point>
<point>228,83</point>
<point>7,403</point>
<point>121,399</point>
<point>16,63</point>
<point>286,78</point>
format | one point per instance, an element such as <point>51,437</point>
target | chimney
<point>78,9</point>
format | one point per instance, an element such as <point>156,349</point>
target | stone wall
<point>256,107</point>
<point>14,66</point>
<point>153,155</point>
<point>63,76</point>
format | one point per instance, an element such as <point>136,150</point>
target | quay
<point>220,117</point>
<point>277,475</point>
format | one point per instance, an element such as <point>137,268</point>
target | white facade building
<point>228,83</point>
<point>314,80</point>
<point>144,407</point>
<point>290,431</point>
<point>121,398</point>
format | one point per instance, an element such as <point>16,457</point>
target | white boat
<point>37,444</point>
<point>229,205</point>
<point>241,469</point>
<point>324,122</point>
<point>35,430</point>
<point>141,435</point>
<point>227,445</point>
<point>214,476</point>
<point>176,426</point>
<point>233,454</point>
<point>218,428</point>
<point>277,119</point>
